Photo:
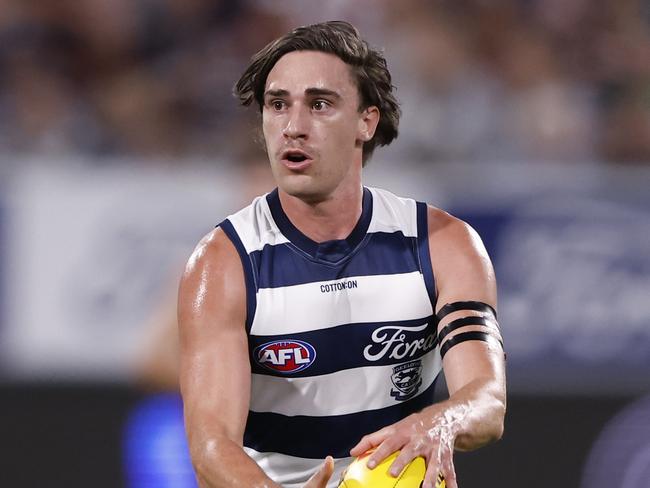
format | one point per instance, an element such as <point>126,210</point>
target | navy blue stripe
<point>249,276</point>
<point>317,437</point>
<point>329,251</point>
<point>342,347</point>
<point>380,254</point>
<point>424,252</point>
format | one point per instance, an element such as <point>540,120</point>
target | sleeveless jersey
<point>341,334</point>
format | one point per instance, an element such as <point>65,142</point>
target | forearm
<point>473,416</point>
<point>221,463</point>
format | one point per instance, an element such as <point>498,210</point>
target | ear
<point>368,123</point>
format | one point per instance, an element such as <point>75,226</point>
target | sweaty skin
<point>311,107</point>
<point>215,393</point>
<point>443,433</point>
<point>475,370</point>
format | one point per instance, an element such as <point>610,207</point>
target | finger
<point>320,478</point>
<point>369,441</point>
<point>385,449</point>
<point>362,446</point>
<point>405,456</point>
<point>434,468</point>
<point>443,459</point>
<point>430,478</point>
<point>449,472</point>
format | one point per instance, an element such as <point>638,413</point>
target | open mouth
<point>296,159</point>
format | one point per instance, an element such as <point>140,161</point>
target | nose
<point>297,123</point>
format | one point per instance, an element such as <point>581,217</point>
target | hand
<point>430,434</point>
<point>322,476</point>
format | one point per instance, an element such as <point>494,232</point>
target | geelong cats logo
<point>406,379</point>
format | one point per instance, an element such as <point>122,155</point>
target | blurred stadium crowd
<point>148,83</point>
<point>520,80</point>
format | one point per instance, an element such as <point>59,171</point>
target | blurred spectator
<point>626,122</point>
<point>537,80</point>
<point>448,101</point>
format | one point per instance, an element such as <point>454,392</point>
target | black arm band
<point>469,305</point>
<point>463,322</point>
<point>467,336</point>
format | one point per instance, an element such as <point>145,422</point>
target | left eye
<point>320,105</point>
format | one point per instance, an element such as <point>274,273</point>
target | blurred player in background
<point>315,322</point>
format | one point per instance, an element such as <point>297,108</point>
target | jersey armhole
<point>249,276</point>
<point>424,253</point>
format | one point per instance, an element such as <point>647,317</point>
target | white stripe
<point>255,226</point>
<point>391,213</point>
<point>293,472</point>
<point>340,393</point>
<point>305,307</point>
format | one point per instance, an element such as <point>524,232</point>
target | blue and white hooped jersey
<point>341,334</point>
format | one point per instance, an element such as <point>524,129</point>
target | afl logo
<point>286,357</point>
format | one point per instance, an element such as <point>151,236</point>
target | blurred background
<point>121,145</point>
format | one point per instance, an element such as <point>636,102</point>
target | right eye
<point>277,105</point>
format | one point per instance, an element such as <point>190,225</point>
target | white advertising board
<point>92,253</point>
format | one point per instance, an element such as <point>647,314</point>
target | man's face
<point>313,129</point>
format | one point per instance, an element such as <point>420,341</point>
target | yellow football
<point>358,475</point>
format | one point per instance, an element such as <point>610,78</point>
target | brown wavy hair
<point>368,67</point>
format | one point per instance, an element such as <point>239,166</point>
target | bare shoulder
<point>213,283</point>
<point>450,234</point>
<point>214,369</point>
<point>213,252</point>
<point>459,259</point>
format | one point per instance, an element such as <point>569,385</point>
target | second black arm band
<point>467,336</point>
<point>464,322</point>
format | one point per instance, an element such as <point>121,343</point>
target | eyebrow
<point>276,93</point>
<point>309,91</point>
<point>322,92</point>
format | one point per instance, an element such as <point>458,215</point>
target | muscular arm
<point>475,370</point>
<point>215,374</point>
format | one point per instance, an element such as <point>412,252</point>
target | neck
<point>330,219</point>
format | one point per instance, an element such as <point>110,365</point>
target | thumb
<point>322,476</point>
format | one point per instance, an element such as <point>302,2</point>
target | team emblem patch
<point>406,378</point>
<point>286,356</point>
